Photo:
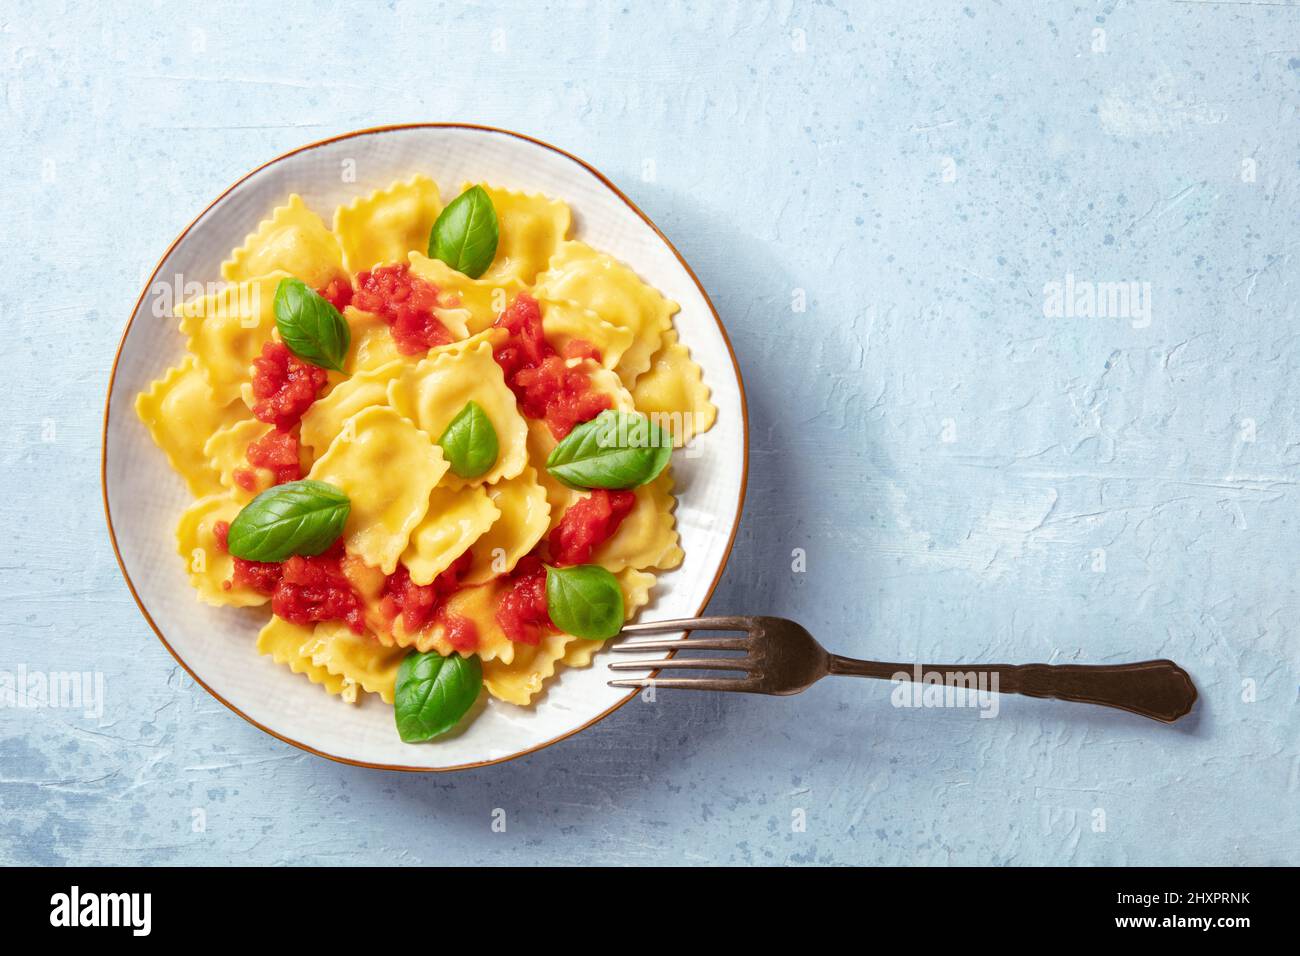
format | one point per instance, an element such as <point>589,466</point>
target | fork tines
<point>686,643</point>
<point>683,683</point>
<point>691,624</point>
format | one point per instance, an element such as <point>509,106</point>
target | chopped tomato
<point>419,603</point>
<point>522,613</point>
<point>542,380</point>
<point>462,633</point>
<point>526,344</point>
<point>261,576</point>
<point>413,602</point>
<point>580,349</point>
<point>587,524</point>
<point>276,451</point>
<point>338,292</point>
<point>246,478</point>
<point>561,395</point>
<point>284,385</point>
<point>406,302</point>
<point>302,590</point>
<point>315,589</point>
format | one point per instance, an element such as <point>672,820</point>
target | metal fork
<point>781,657</point>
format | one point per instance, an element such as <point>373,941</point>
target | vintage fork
<point>780,657</point>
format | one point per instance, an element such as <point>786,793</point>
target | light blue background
<point>920,171</point>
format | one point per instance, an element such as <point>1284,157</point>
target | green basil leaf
<point>465,235</point>
<point>470,442</point>
<point>299,517</point>
<point>584,601</point>
<point>613,450</point>
<point>433,693</point>
<point>310,326</point>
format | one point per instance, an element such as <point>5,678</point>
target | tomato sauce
<point>541,379</point>
<point>587,524</point>
<point>522,613</point>
<point>303,590</point>
<point>580,349</point>
<point>256,575</point>
<point>260,576</point>
<point>462,633</point>
<point>420,604</point>
<point>404,301</point>
<point>284,386</point>
<point>315,589</point>
<point>276,451</point>
<point>338,292</point>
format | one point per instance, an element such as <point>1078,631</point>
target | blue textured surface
<point>969,477</point>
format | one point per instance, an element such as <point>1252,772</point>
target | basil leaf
<point>310,325</point>
<point>584,601</point>
<point>470,442</point>
<point>613,450</point>
<point>434,692</point>
<point>300,517</point>
<point>465,235</point>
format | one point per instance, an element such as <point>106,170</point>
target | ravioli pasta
<point>580,274</point>
<point>182,412</point>
<point>226,331</point>
<point>388,468</point>
<point>226,451</point>
<point>532,226</point>
<point>521,678</point>
<point>565,322</point>
<point>292,240</point>
<point>522,519</point>
<point>431,392</point>
<point>429,558</point>
<point>480,300</point>
<point>208,564</point>
<point>387,224</point>
<point>457,517</point>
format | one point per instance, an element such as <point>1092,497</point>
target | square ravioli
<point>388,468</point>
<point>432,392</point>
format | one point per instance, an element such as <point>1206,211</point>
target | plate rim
<point>112,378</point>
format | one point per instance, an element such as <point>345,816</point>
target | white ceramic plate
<point>143,497</point>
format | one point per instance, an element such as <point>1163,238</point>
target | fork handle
<point>1157,689</point>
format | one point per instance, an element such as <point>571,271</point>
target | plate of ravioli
<point>405,427</point>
